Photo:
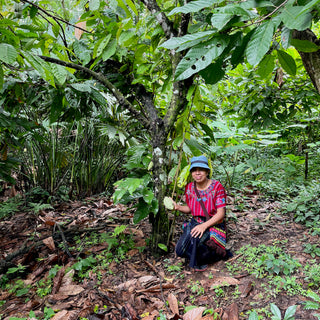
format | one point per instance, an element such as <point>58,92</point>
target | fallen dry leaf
<point>194,314</point>
<point>49,243</point>
<point>224,282</point>
<point>60,315</point>
<point>173,303</point>
<point>70,290</point>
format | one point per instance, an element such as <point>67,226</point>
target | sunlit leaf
<point>8,53</point>
<point>304,45</point>
<point>287,62</point>
<point>260,42</point>
<point>194,38</point>
<point>266,66</point>
<point>94,5</point>
<point>194,6</point>
<point>296,18</point>
<point>199,57</point>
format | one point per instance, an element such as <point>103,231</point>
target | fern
<point>37,207</point>
<point>313,296</point>
<point>311,305</point>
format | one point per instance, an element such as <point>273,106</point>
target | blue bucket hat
<point>199,162</point>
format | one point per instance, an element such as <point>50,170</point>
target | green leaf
<point>132,6</point>
<point>81,51</point>
<point>238,53</point>
<point>142,211</point>
<point>266,66</point>
<point>286,35</point>
<point>110,50</point>
<point>41,66</point>
<point>122,5</point>
<point>1,77</point>
<point>287,62</point>
<point>126,36</point>
<point>94,5</point>
<point>119,229</point>
<point>60,73</point>
<point>304,45</point>
<point>8,53</point>
<point>194,38</point>
<point>148,195</point>
<point>199,57</point>
<point>82,87</point>
<point>253,316</point>
<point>100,45</point>
<point>219,20</point>
<point>213,73</point>
<point>276,312</point>
<point>163,247</point>
<point>194,6</point>
<point>260,42</point>
<point>296,18</point>
<point>289,315</point>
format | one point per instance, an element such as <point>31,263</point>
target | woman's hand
<point>179,207</point>
<point>198,231</point>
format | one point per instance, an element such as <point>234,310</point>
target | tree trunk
<point>311,60</point>
<point>160,221</point>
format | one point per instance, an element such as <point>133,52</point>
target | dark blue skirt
<point>195,249</point>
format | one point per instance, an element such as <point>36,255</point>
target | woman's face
<point>199,175</point>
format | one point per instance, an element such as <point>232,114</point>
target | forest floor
<point>136,285</point>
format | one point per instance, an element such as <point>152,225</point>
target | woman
<point>204,238</point>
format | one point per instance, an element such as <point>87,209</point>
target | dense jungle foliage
<point>113,98</point>
<point>96,97</point>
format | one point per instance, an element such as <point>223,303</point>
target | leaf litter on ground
<point>139,286</point>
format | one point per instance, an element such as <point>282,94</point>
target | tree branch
<point>101,78</point>
<point>54,17</point>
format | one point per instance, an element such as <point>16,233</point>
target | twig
<point>54,17</point>
<point>64,240</point>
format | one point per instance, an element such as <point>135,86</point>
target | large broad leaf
<point>100,45</point>
<point>260,42</point>
<point>132,6</point>
<point>290,312</point>
<point>266,66</point>
<point>109,50</point>
<point>238,53</point>
<point>123,5</point>
<point>287,62</point>
<point>82,87</point>
<point>219,20</point>
<point>141,212</point>
<point>94,5</point>
<point>296,18</point>
<point>81,51</point>
<point>276,311</point>
<point>286,35</point>
<point>41,66</point>
<point>237,11</point>
<point>304,45</point>
<point>194,6</point>
<point>190,38</point>
<point>213,73</point>
<point>60,73</point>
<point>8,53</point>
<point>199,57</point>
<point>1,77</point>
